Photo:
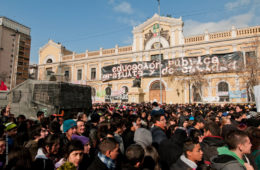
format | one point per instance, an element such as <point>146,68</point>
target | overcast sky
<point>83,24</point>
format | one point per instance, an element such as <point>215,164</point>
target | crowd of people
<point>130,136</point>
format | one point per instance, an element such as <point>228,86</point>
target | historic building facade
<point>201,68</point>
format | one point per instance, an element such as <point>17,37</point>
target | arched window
<point>196,93</point>
<point>108,91</point>
<point>223,92</point>
<point>108,94</point>
<point>124,95</point>
<point>156,86</point>
<point>125,89</point>
<point>49,61</point>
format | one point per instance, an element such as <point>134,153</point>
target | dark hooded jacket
<point>209,147</point>
<point>171,149</point>
<point>158,136</point>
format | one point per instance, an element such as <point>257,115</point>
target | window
<point>108,94</point>
<point>223,92</point>
<point>156,57</point>
<point>196,93</point>
<point>250,57</point>
<point>67,73</point>
<point>124,95</point>
<point>79,74</point>
<point>49,71</point>
<point>49,61</point>
<point>93,73</point>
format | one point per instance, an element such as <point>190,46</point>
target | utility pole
<point>160,56</point>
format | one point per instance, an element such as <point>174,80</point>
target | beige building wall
<point>145,45</point>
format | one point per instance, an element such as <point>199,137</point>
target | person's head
<point>159,120</point>
<point>155,104</point>
<point>239,116</point>
<point>39,132</point>
<point>211,129</point>
<point>80,127</point>
<point>21,118</point>
<point>185,123</point>
<point>2,146</point>
<point>69,127</point>
<point>192,150</point>
<point>239,141</point>
<point>199,122</point>
<point>143,137</point>
<point>117,126</point>
<point>52,144</point>
<point>135,155</point>
<point>7,110</point>
<point>150,151</point>
<point>11,128</point>
<point>74,152</point>
<point>195,134</point>
<point>54,127</point>
<point>85,142</point>
<point>82,116</point>
<point>239,108</point>
<point>225,121</point>
<point>40,115</point>
<point>109,147</point>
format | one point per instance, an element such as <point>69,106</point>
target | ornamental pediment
<point>167,21</point>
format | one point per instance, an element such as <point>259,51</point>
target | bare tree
<point>250,73</point>
<point>195,80</point>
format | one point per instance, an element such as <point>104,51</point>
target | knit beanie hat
<point>83,139</point>
<point>9,126</point>
<point>143,137</point>
<point>67,124</point>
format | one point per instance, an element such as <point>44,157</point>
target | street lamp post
<point>160,57</point>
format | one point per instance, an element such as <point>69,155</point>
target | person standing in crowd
<point>233,156</point>
<point>198,124</point>
<point>156,109</point>
<point>158,131</point>
<point>11,131</point>
<point>5,113</point>
<point>47,154</point>
<point>151,159</point>
<point>108,152</point>
<point>82,116</point>
<point>143,137</point>
<point>171,149</point>
<point>211,141</point>
<point>86,160</point>
<point>192,154</point>
<point>134,157</point>
<point>40,117</point>
<point>38,132</point>
<point>81,128</point>
<point>69,128</point>
<point>133,123</point>
<point>117,127</point>
<point>72,157</point>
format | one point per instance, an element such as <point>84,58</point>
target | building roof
<point>4,21</point>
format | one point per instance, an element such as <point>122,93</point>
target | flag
<point>3,87</point>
